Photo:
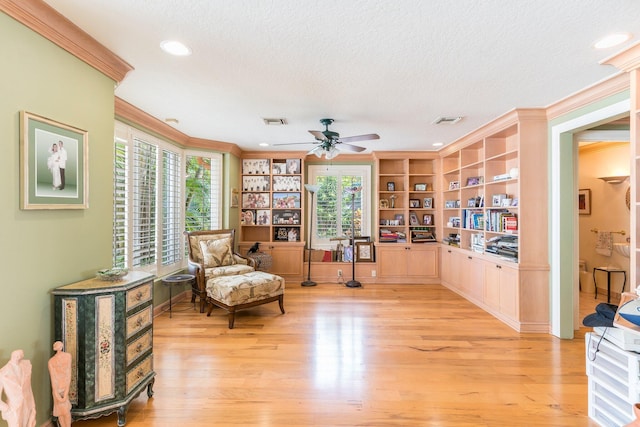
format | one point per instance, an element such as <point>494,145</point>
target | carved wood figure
<point>60,373</point>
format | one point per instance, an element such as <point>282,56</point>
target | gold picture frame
<point>54,164</point>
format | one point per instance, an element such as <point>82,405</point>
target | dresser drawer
<point>139,295</point>
<point>139,373</point>
<point>140,320</point>
<point>139,346</point>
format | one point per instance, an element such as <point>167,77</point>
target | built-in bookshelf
<point>271,210</point>
<point>406,197</point>
<point>494,213</point>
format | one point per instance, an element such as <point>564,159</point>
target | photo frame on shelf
<point>413,219</point>
<point>286,200</point>
<point>287,183</point>
<point>475,180</point>
<point>391,186</point>
<point>399,218</point>
<point>364,252</point>
<point>427,219</point>
<point>286,234</point>
<point>496,199</point>
<point>54,164</point>
<point>255,183</point>
<point>414,203</point>
<point>293,167</point>
<point>420,187</point>
<point>286,217</point>
<point>506,202</point>
<point>279,167</point>
<point>248,217</point>
<point>255,167</point>
<point>454,185</point>
<point>255,200</point>
<point>263,217</point>
<point>427,203</point>
<point>384,204</point>
<point>472,202</point>
<point>584,201</point>
<point>450,204</point>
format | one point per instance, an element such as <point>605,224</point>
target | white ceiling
<point>389,67</point>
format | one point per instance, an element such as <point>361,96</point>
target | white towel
<point>604,245</point>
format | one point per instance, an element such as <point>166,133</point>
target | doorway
<point>563,222</point>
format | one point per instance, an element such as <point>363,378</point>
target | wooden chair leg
<point>281,302</point>
<point>232,318</point>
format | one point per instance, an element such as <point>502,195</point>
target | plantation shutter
<point>120,205</point>
<point>171,208</point>
<point>144,203</point>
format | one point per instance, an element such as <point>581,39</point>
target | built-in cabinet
<point>271,209</point>
<point>407,263</point>
<point>494,213</point>
<point>107,327</point>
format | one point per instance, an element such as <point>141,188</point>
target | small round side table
<point>177,279</point>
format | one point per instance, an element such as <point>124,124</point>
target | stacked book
<point>452,240</point>
<point>473,219</point>
<point>388,236</point>
<point>504,246</point>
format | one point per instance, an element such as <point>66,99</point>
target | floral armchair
<point>211,254</point>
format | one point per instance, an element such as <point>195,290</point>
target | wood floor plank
<point>382,355</point>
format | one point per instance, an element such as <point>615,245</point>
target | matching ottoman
<point>243,291</point>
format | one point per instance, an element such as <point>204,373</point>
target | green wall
<point>43,249</point>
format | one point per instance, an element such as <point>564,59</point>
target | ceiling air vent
<point>275,122</point>
<point>447,120</point>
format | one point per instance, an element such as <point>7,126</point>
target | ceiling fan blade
<point>348,147</point>
<point>318,135</point>
<point>360,138</point>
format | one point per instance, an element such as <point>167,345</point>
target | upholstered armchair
<point>211,254</point>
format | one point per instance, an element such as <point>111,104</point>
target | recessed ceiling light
<point>612,40</point>
<point>437,144</point>
<point>263,144</point>
<point>171,121</point>
<point>275,121</point>
<point>175,48</point>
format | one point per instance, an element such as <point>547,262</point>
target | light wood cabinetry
<point>271,209</point>
<point>107,327</point>
<point>493,207</point>
<point>415,263</point>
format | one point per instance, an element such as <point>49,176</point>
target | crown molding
<point>53,26</point>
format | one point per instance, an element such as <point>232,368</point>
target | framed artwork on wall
<point>54,164</point>
<point>584,201</point>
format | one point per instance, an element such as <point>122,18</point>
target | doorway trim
<point>563,258</point>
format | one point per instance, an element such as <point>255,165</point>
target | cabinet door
<point>422,261</point>
<point>446,265</point>
<point>287,260</point>
<point>491,293</point>
<point>509,292</point>
<point>392,260</point>
<point>471,277</point>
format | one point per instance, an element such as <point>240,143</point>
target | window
<point>152,197</point>
<point>333,214</point>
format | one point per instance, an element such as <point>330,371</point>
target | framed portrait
<point>263,217</point>
<point>287,183</point>
<point>54,162</point>
<point>399,218</point>
<point>427,219</point>
<point>413,219</point>
<point>584,201</point>
<point>364,252</point>
<point>255,200</point>
<point>420,187</point>
<point>475,180</point>
<point>384,203</point>
<point>391,186</point>
<point>293,166</point>
<point>454,185</point>
<point>255,183</point>
<point>414,203</point>
<point>427,203</point>
<point>279,167</point>
<point>248,217</point>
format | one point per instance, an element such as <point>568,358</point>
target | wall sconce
<point>614,179</point>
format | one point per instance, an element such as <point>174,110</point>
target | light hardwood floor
<point>382,355</point>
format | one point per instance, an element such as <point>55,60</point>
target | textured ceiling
<point>390,67</point>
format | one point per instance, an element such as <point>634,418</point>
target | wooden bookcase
<point>271,209</point>
<point>493,207</point>
<point>406,223</point>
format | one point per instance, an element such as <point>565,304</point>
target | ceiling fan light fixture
<point>331,153</point>
<point>317,151</point>
<point>611,40</point>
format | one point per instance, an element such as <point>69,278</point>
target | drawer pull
<point>139,321</point>
<point>139,296</point>
<point>138,348</point>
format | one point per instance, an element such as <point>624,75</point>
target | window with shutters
<point>333,204</point>
<point>154,193</point>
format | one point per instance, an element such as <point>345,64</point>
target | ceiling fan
<point>330,144</point>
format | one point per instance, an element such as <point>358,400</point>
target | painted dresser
<point>107,327</point>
